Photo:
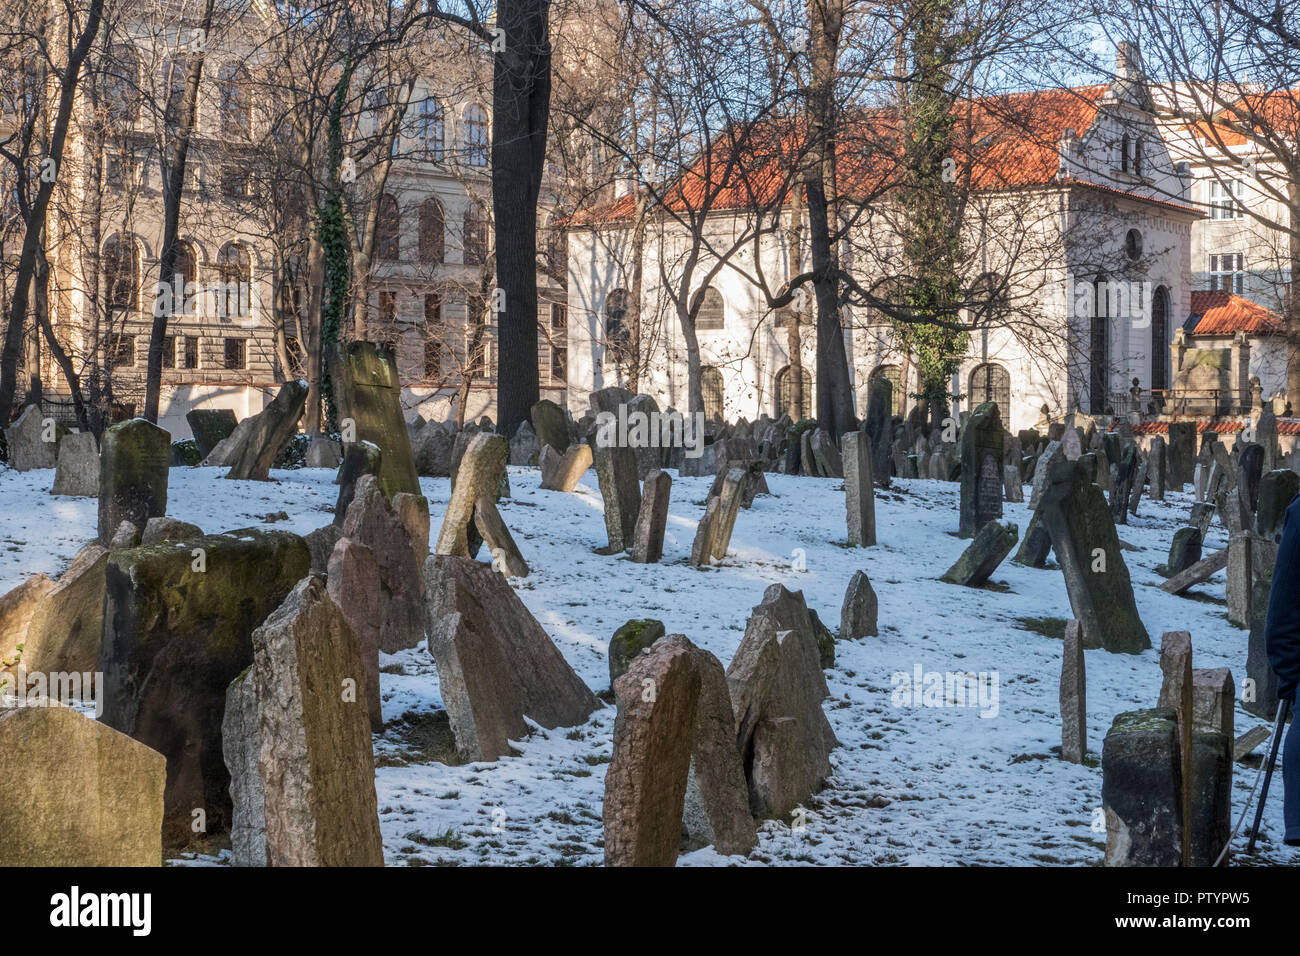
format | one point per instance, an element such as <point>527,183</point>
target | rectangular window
<point>1225,199</point>
<point>121,351</point>
<point>191,351</point>
<point>433,333</point>
<point>1228,272</point>
<point>169,351</point>
<point>236,182</point>
<point>559,365</point>
<point>559,316</point>
<point>387,309</point>
<point>236,353</point>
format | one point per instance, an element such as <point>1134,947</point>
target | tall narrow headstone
<point>652,518</point>
<point>981,470</point>
<point>368,394</point>
<point>133,469</point>
<point>1142,790</point>
<point>1074,697</point>
<point>859,492</point>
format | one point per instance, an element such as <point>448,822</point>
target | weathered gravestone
<point>859,491</point>
<point>355,584</point>
<point>620,490</point>
<point>210,426</point>
<point>1139,485</point>
<point>1184,551</point>
<point>1073,696</point>
<point>879,426</point>
<point>506,556</point>
<point>1088,551</point>
<point>713,536</point>
<point>630,640</point>
<point>77,793</point>
<point>16,610</point>
<point>562,473</point>
<point>524,447</point>
<point>645,785</point>
<point>1277,490</point>
<point>981,469</point>
<point>1261,678</point>
<point>551,425</point>
<point>827,455</point>
<point>1141,789</point>
<point>133,467</point>
<point>1182,453</point>
<point>777,688</point>
<point>77,471</point>
<point>982,557</point>
<point>495,663</point>
<point>652,518</point>
<point>1052,453</point>
<point>1157,468</point>
<point>860,612</point>
<point>432,448</point>
<point>273,426</point>
<point>480,473</point>
<point>1036,544</point>
<point>359,458</point>
<point>1012,484</point>
<point>306,734</point>
<point>33,440</point>
<point>1122,488</point>
<point>67,624</point>
<point>373,522</point>
<point>369,399</point>
<point>167,663</point>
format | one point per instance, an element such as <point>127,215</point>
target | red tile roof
<point>1223,313</point>
<point>999,142</point>
<point>1285,426</point>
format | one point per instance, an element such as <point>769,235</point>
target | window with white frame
<point>1225,199</point>
<point>1228,272</point>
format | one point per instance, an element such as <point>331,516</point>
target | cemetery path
<point>913,784</point>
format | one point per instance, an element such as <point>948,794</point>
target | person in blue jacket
<point>1282,639</point>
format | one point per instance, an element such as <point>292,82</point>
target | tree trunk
<point>521,97</point>
<point>173,176</point>
<point>1292,308</point>
<point>36,222</point>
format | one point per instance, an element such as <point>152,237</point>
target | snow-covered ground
<point>912,785</point>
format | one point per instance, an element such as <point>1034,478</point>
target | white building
<point>1076,211</point>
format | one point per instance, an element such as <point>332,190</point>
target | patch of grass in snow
<point>419,737</point>
<point>449,839</point>
<point>393,669</point>
<point>1053,627</point>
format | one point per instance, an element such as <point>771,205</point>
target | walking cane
<point>1283,707</point>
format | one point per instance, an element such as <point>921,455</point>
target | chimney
<point>1128,59</point>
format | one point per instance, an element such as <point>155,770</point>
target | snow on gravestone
<point>297,719</point>
<point>496,665</point>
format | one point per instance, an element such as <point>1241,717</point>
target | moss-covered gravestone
<point>368,395</point>
<point>178,626</point>
<point>981,469</point>
<point>1141,790</point>
<point>990,547</point>
<point>1088,550</point>
<point>551,425</point>
<point>133,468</point>
<point>629,641</point>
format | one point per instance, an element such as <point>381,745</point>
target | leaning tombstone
<point>652,518</point>
<point>620,490</point>
<point>479,474</point>
<point>982,557</point>
<point>275,425</point>
<point>369,399</point>
<point>210,426</point>
<point>1277,490</point>
<point>77,471</point>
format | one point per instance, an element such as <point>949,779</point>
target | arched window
<point>234,274</point>
<point>122,86</point>
<point>121,267</point>
<point>1160,339</point>
<point>474,244</point>
<point>388,243</point>
<point>235,103</point>
<point>785,397</point>
<point>711,386</point>
<point>618,333</point>
<point>1099,348</point>
<point>893,374</point>
<point>712,312</point>
<point>1123,152</point>
<point>476,136</point>
<point>431,129</point>
<point>991,383</point>
<point>433,232</point>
